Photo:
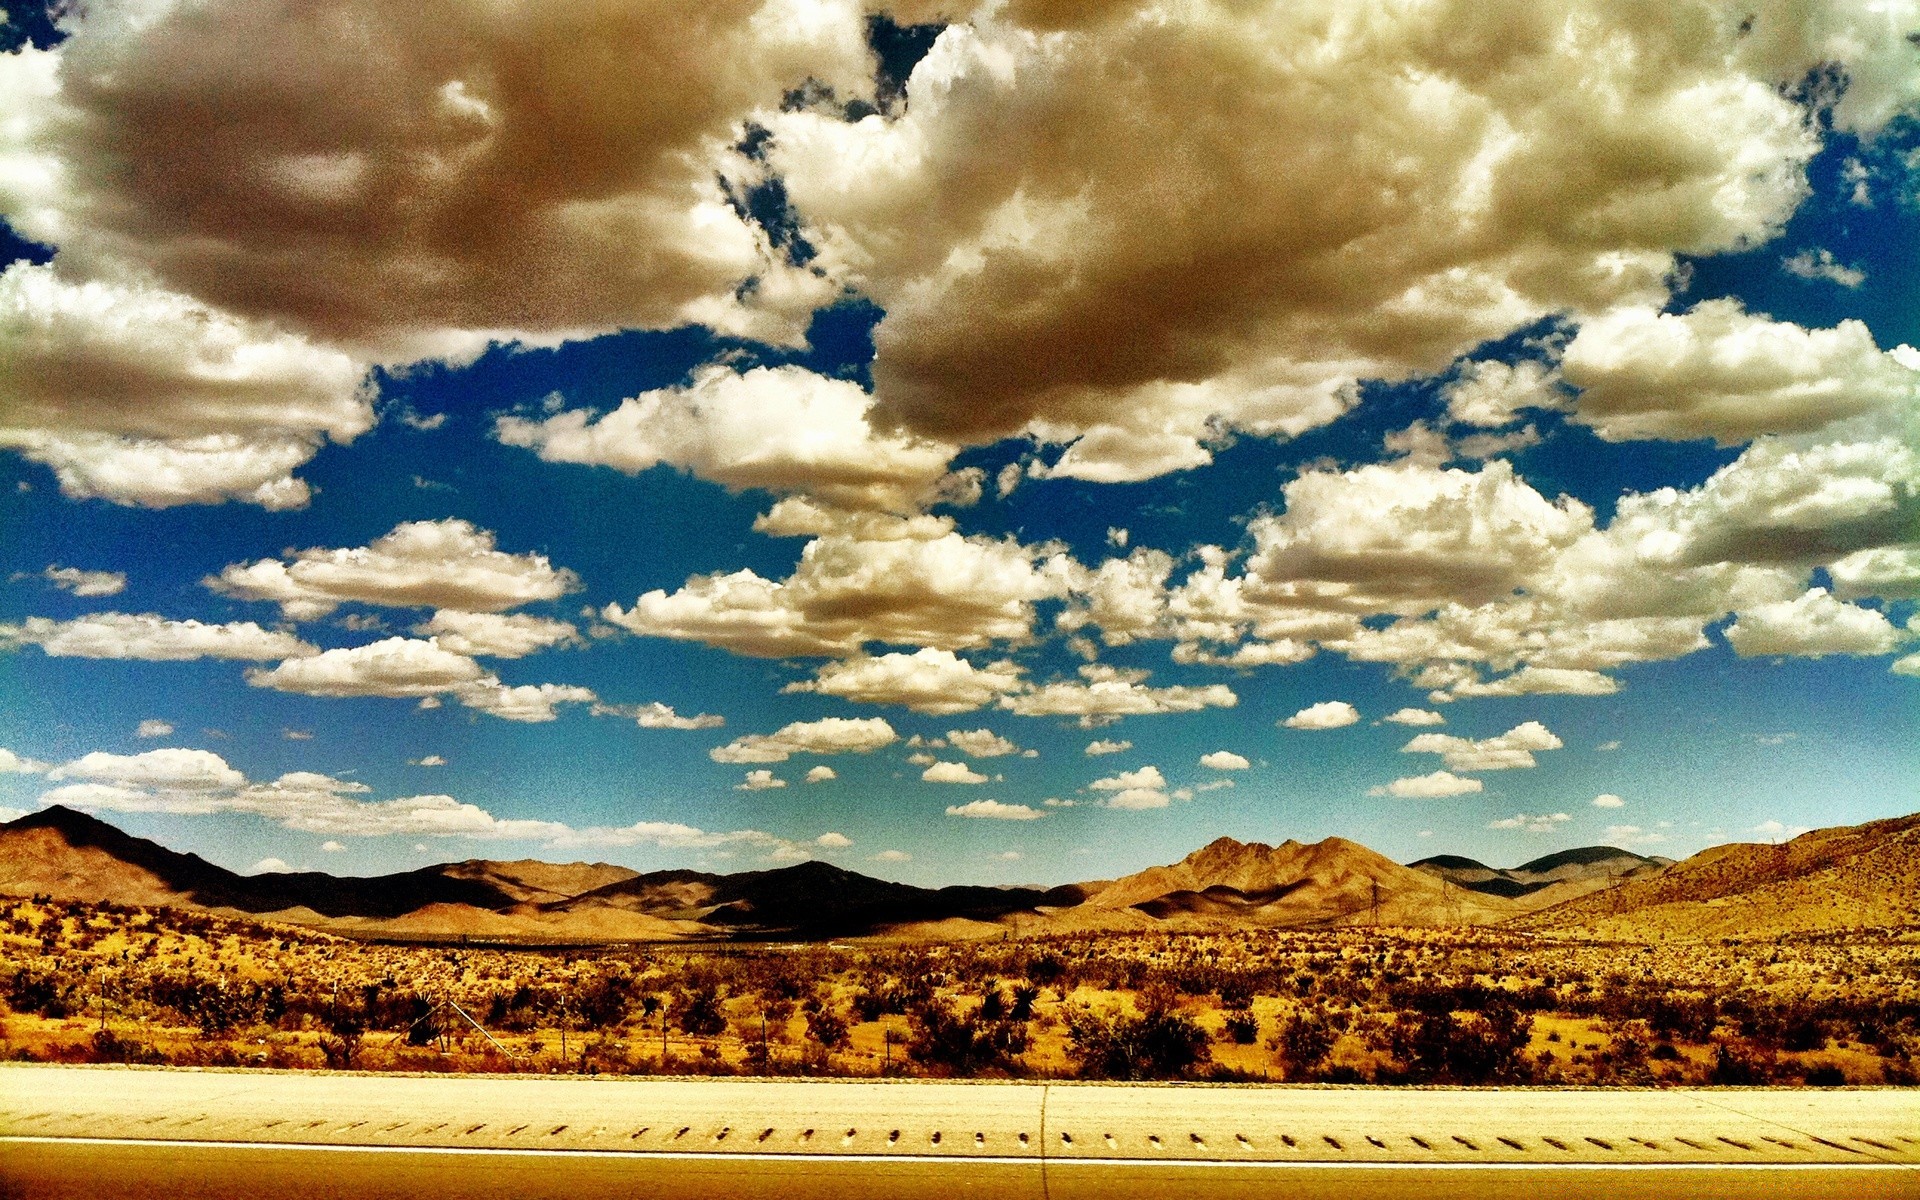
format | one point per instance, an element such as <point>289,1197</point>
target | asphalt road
<point>107,1132</point>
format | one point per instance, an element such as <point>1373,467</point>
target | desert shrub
<point>1159,1044</point>
<point>827,1027</point>
<point>1242,1027</point>
<point>700,1013</point>
<point>948,1043</point>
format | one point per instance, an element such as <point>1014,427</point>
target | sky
<point>1005,443</point>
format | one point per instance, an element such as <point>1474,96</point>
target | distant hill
<point>1586,865</point>
<point>1867,875</point>
<point>1846,877</point>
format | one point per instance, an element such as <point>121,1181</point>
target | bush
<point>1160,1044</point>
<point>1243,1028</point>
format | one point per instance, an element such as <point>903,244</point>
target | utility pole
<point>1375,905</point>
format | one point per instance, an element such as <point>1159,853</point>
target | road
<point>106,1131</point>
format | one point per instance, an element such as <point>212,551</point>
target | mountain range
<point>1831,878</point>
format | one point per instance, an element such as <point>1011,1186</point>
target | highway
<point>101,1132</point>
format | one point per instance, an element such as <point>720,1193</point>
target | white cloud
<point>928,680</point>
<point>1812,626</point>
<point>829,735</point>
<point>1428,786</point>
<point>1101,746</point>
<point>177,769</point>
<point>784,429</point>
<point>496,635</point>
<point>332,847</point>
<point>1512,749</point>
<point>1145,777</point>
<point>532,703</point>
<point>893,856</point>
<point>980,743</point>
<point>84,583</point>
<point>904,582</point>
<point>154,638</point>
<point>952,772</point>
<point>821,774</point>
<point>655,715</point>
<point>759,781</point>
<point>1224,760</point>
<point>994,810</point>
<point>1110,694</point>
<point>393,667</point>
<point>1812,263</point>
<point>447,564</point>
<point>1128,269</point>
<point>1538,681</point>
<point>1548,823</point>
<point>268,864</point>
<point>833,841</point>
<point>14,764</point>
<point>140,395</point>
<point>1137,799</point>
<point>1009,856</point>
<point>431,760</point>
<point>1490,393</point>
<point>1608,800</point>
<point>1717,371</point>
<point>153,727</point>
<point>1328,714</point>
<point>1414,716</point>
<point>1907,665</point>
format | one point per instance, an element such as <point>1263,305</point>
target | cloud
<point>912,583</point>
<point>833,841</point>
<point>1717,371</point>
<point>829,735</point>
<point>332,847</point>
<point>140,395</point>
<point>447,564</point>
<point>1812,626</point>
<point>150,637</point>
<point>1224,760</point>
<point>993,810</point>
<point>14,764</point>
<point>782,429</point>
<point>821,774</point>
<point>405,667</point>
<point>932,681</point>
<point>86,584</point>
<point>952,772</point>
<point>176,769</point>
<point>1110,694</point>
<point>1428,786</point>
<point>474,148</point>
<point>655,715</point>
<point>893,856</point>
<point>431,760</point>
<point>531,703</point>
<point>1512,749</point>
<point>1145,777</point>
<point>759,781</point>
<point>496,635</point>
<point>1608,800</point>
<point>980,743</point>
<point>1490,393</point>
<point>1137,799</point>
<point>1414,716</point>
<point>1812,263</point>
<point>153,727</point>
<point>1101,746</point>
<point>1128,271</point>
<point>1549,823</point>
<point>1328,714</point>
<point>268,864</point>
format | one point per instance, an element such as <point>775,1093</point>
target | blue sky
<point>1584,439</point>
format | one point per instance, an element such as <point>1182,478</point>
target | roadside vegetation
<point>104,983</point>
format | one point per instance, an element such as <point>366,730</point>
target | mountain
<point>1846,877</point>
<point>1591,865</point>
<point>1333,882</point>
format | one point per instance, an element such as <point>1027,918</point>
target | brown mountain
<point>1333,882</point>
<point>1597,866</point>
<point>1846,877</point>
